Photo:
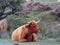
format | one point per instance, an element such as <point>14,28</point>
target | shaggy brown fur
<point>3,25</point>
<point>26,33</point>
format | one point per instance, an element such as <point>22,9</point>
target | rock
<point>16,44</point>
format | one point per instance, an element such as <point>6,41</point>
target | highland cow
<point>3,25</point>
<point>26,33</point>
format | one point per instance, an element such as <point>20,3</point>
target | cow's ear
<point>30,23</point>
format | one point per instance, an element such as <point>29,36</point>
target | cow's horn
<point>38,21</point>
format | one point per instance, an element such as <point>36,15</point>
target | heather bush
<point>36,7</point>
<point>56,12</point>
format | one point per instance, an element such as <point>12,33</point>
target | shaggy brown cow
<point>26,33</point>
<point>3,25</point>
